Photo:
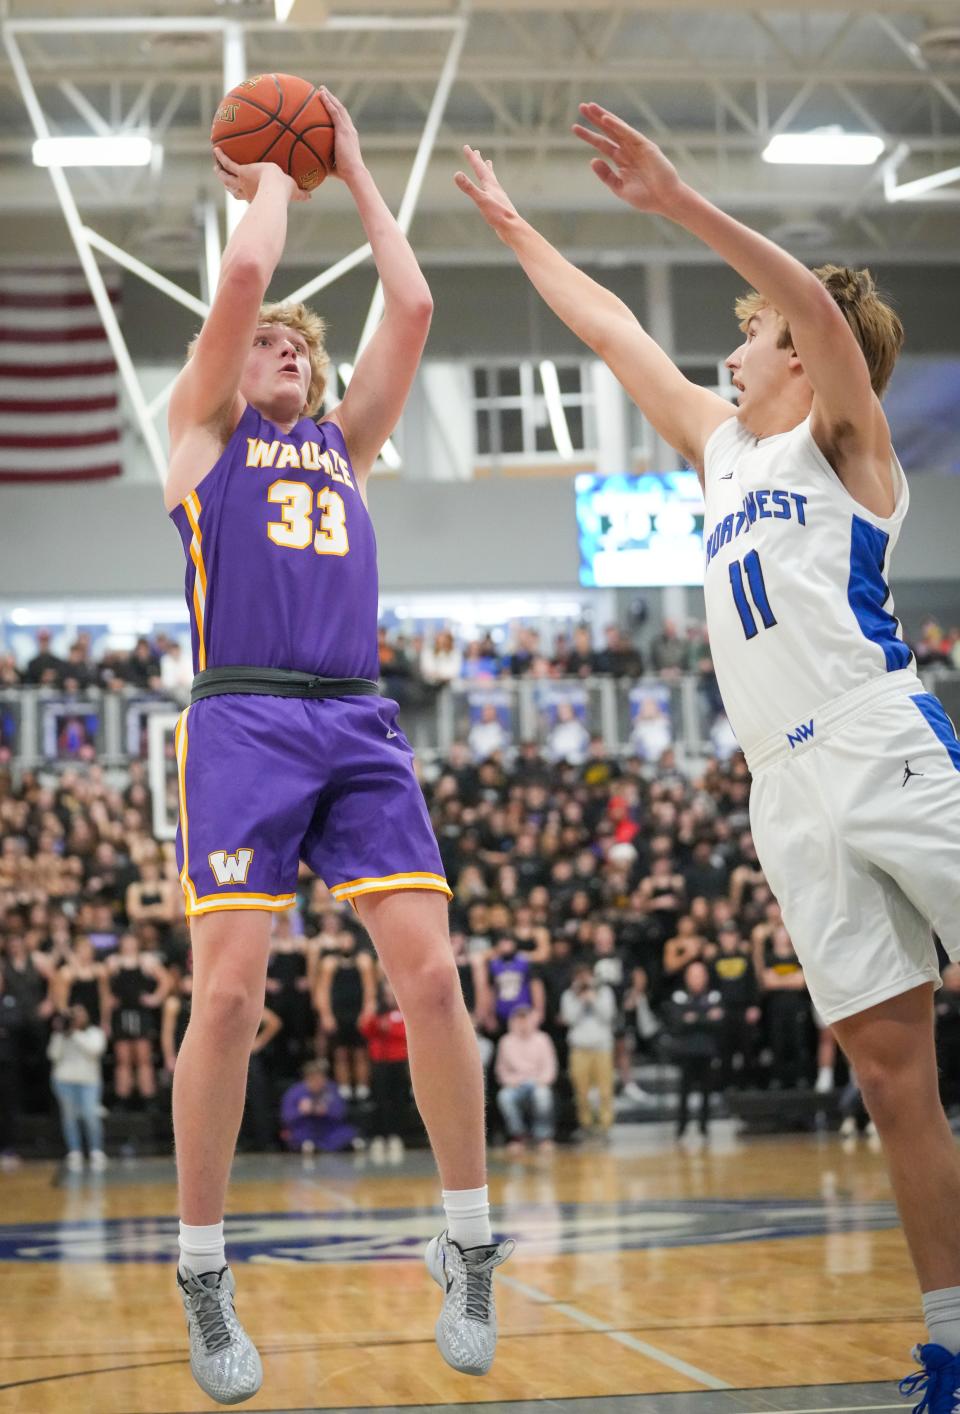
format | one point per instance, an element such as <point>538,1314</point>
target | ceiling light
<point>118,150</point>
<point>827,147</point>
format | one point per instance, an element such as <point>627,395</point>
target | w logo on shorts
<point>231,868</point>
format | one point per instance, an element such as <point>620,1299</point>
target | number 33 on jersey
<point>281,554</point>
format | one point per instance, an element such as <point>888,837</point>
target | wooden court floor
<point>744,1275</point>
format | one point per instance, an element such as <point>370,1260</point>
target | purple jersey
<point>281,555</point>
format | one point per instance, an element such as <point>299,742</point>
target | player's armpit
<point>682,413</point>
<point>861,456</point>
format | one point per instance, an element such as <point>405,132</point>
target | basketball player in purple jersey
<point>287,752</point>
<point>855,803</point>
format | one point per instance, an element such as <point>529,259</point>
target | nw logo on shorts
<point>801,734</point>
<point>230,868</point>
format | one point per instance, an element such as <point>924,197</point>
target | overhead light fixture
<point>825,147</point>
<point>302,12</point>
<point>117,150</point>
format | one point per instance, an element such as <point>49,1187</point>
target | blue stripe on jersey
<point>931,708</point>
<point>867,593</point>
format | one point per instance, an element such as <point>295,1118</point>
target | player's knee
<point>892,1087</point>
<point>431,987</point>
<point>228,1008</point>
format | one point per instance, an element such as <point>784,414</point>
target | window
<point>517,414</point>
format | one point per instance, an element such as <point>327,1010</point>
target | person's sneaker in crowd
<point>346,1092</point>
<point>873,1138</point>
<point>466,1329</point>
<point>395,1149</point>
<point>937,1382</point>
<point>362,1092</point>
<point>378,1149</point>
<point>9,1161</point>
<point>308,1147</point>
<point>824,1083</point>
<point>74,1161</point>
<point>515,1148</point>
<point>223,1358</point>
<point>636,1093</point>
<point>98,1160</point>
<point>545,1146</point>
<point>848,1127</point>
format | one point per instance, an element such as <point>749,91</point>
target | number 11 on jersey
<point>758,592</point>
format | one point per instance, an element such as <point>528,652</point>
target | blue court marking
<point>868,592</point>
<point>931,709</point>
<point>400,1234</point>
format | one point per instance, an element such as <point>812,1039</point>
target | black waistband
<point>277,682</point>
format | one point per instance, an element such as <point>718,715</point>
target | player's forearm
<point>403,281</point>
<point>586,307</point>
<point>790,287</point>
<point>257,243</point>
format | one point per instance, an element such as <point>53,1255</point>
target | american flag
<point>59,414</point>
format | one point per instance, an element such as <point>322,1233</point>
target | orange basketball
<point>277,118</point>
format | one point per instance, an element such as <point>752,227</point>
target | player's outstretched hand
<point>243,181</point>
<point>486,193</point>
<point>631,165</point>
<point>347,157</point>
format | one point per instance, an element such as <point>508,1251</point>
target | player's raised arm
<point>846,419</point>
<point>682,413</point>
<point>207,392</point>
<point>374,400</point>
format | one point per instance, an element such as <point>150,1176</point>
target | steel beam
<point>90,268</point>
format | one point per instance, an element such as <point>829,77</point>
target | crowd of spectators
<point>409,662</point>
<point>156,664</point>
<point>610,922</point>
<point>418,662</point>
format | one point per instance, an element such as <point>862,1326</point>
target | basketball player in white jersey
<point>855,804</point>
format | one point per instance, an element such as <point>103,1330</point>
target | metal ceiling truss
<point>86,240</point>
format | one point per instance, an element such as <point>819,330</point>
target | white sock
<point>468,1216</point>
<point>201,1248</point>
<point>941,1311</point>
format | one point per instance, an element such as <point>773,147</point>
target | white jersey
<point>798,606</point>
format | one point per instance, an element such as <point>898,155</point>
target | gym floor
<point>726,1277</point>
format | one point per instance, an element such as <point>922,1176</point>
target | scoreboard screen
<point>640,531</point>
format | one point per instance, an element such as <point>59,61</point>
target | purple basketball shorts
<point>267,781</point>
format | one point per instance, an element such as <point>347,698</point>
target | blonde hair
<point>874,323</point>
<point>308,323</point>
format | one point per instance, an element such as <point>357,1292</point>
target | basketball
<point>277,118</point>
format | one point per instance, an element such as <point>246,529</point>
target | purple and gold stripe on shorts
<point>198,904</point>
<point>355,887</point>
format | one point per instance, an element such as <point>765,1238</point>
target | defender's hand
<point>243,182</point>
<point>347,158</point>
<point>486,193</point>
<point>640,174</point>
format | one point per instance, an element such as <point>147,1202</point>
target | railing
<point>44,727</point>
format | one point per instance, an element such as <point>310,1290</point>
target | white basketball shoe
<point>223,1358</point>
<point>466,1328</point>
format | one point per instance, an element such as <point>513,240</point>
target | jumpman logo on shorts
<point>907,773</point>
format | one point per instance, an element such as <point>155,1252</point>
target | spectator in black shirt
<point>787,1010</point>
<point>618,657</point>
<point>45,669</point>
<point>693,1017</point>
<point>734,978</point>
<point>706,873</point>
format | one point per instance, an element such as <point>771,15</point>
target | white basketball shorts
<point>856,819</point>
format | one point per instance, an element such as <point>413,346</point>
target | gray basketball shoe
<point>466,1328</point>
<point>223,1358</point>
